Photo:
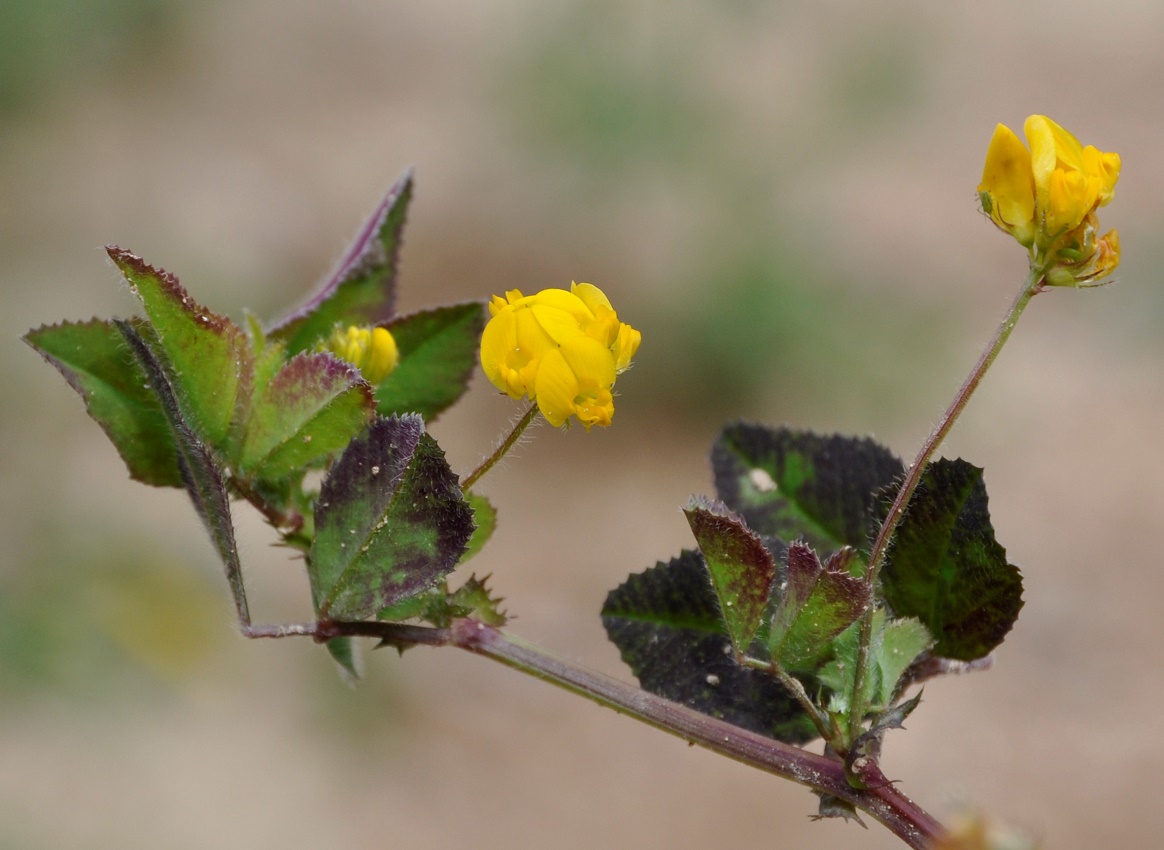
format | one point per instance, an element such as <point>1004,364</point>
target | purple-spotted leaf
<point>390,521</point>
<point>94,359</point>
<point>667,627</point>
<point>819,602</point>
<point>791,484</point>
<point>309,410</point>
<point>438,353</point>
<point>741,568</point>
<point>198,465</point>
<point>362,288</point>
<point>945,567</point>
<point>206,357</point>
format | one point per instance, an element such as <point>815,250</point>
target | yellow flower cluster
<point>1047,198</point>
<point>371,350</point>
<point>560,349</point>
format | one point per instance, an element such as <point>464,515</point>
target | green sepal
<point>741,568</point>
<point>438,352</point>
<point>791,484</point>
<point>819,602</point>
<point>201,472</point>
<point>206,357</point>
<point>667,626</point>
<point>390,521</point>
<point>94,359</point>
<point>945,567</point>
<point>309,410</point>
<point>362,288</point>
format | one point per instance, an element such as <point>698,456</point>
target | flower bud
<point>371,350</point>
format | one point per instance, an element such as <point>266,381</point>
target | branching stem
<point>1031,287</point>
<point>880,799</point>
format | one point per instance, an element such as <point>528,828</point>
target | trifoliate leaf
<point>791,484</point>
<point>667,626</point>
<point>819,602</point>
<point>205,356</point>
<point>741,569</point>
<point>200,470</point>
<point>945,567</point>
<point>438,353</point>
<point>309,410</point>
<point>94,359</point>
<point>362,288</point>
<point>390,521</point>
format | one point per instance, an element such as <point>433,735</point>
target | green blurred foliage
<point>45,45</point>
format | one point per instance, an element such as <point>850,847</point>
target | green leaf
<point>362,288</point>
<point>94,359</point>
<point>201,472</point>
<point>791,484</point>
<point>309,410</point>
<point>742,570</point>
<point>819,603</point>
<point>893,647</point>
<point>485,518</point>
<point>438,352</point>
<point>390,521</point>
<point>667,626</point>
<point>945,567</point>
<point>346,653</point>
<point>205,356</point>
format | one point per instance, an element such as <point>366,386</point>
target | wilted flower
<point>1047,198</point>
<point>561,349</point>
<point>371,350</point>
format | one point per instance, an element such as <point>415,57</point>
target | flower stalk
<point>1031,286</point>
<point>508,443</point>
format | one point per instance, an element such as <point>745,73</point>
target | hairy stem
<point>879,798</point>
<point>1031,287</point>
<point>501,450</point>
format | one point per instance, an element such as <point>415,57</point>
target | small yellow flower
<point>561,349</point>
<point>1047,197</point>
<point>371,350</point>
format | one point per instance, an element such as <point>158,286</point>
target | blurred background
<point>780,195</point>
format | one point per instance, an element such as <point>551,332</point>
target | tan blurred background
<point>779,195</point>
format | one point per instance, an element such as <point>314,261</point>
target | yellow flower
<point>371,350</point>
<point>1047,197</point>
<point>561,349</point>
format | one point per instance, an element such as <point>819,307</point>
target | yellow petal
<point>591,296</point>
<point>590,361</point>
<point>556,388</point>
<point>625,347</point>
<point>1008,184</point>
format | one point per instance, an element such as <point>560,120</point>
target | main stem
<point>1031,287</point>
<point>880,798</point>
